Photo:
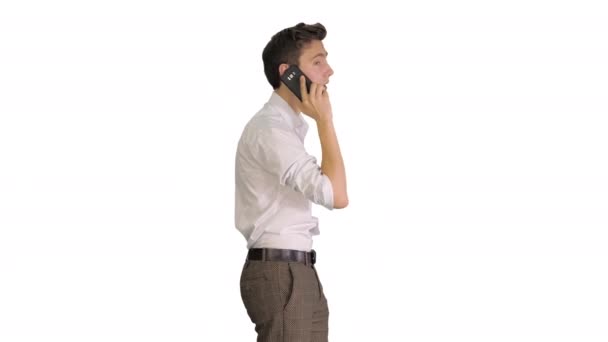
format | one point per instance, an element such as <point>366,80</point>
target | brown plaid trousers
<point>285,301</point>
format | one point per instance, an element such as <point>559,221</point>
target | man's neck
<point>290,98</point>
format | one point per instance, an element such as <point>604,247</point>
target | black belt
<point>289,255</point>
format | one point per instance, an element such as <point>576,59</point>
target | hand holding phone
<point>315,102</point>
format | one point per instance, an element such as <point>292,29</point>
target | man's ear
<point>282,68</point>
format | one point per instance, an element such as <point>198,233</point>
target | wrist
<point>324,120</point>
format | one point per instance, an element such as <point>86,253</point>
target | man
<point>276,183</point>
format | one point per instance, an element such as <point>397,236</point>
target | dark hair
<point>286,46</point>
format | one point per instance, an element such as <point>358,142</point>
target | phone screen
<point>291,78</point>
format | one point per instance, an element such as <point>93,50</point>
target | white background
<point>474,135</point>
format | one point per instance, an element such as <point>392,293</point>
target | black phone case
<point>291,78</point>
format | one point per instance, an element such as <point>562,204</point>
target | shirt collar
<point>294,120</point>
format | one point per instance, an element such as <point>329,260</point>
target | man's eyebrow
<point>320,54</point>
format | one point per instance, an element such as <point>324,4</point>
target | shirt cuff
<point>328,193</point>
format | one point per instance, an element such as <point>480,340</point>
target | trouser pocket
<point>259,294</point>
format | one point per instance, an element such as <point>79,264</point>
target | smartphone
<point>291,78</point>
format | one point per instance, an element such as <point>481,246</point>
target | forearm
<point>332,163</point>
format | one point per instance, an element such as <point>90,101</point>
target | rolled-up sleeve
<point>283,154</point>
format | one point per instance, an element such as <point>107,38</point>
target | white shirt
<point>276,180</point>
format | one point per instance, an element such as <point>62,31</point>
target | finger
<point>319,90</point>
<point>313,90</point>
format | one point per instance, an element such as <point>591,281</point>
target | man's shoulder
<point>265,122</point>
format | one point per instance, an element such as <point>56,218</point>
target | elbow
<point>341,203</point>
